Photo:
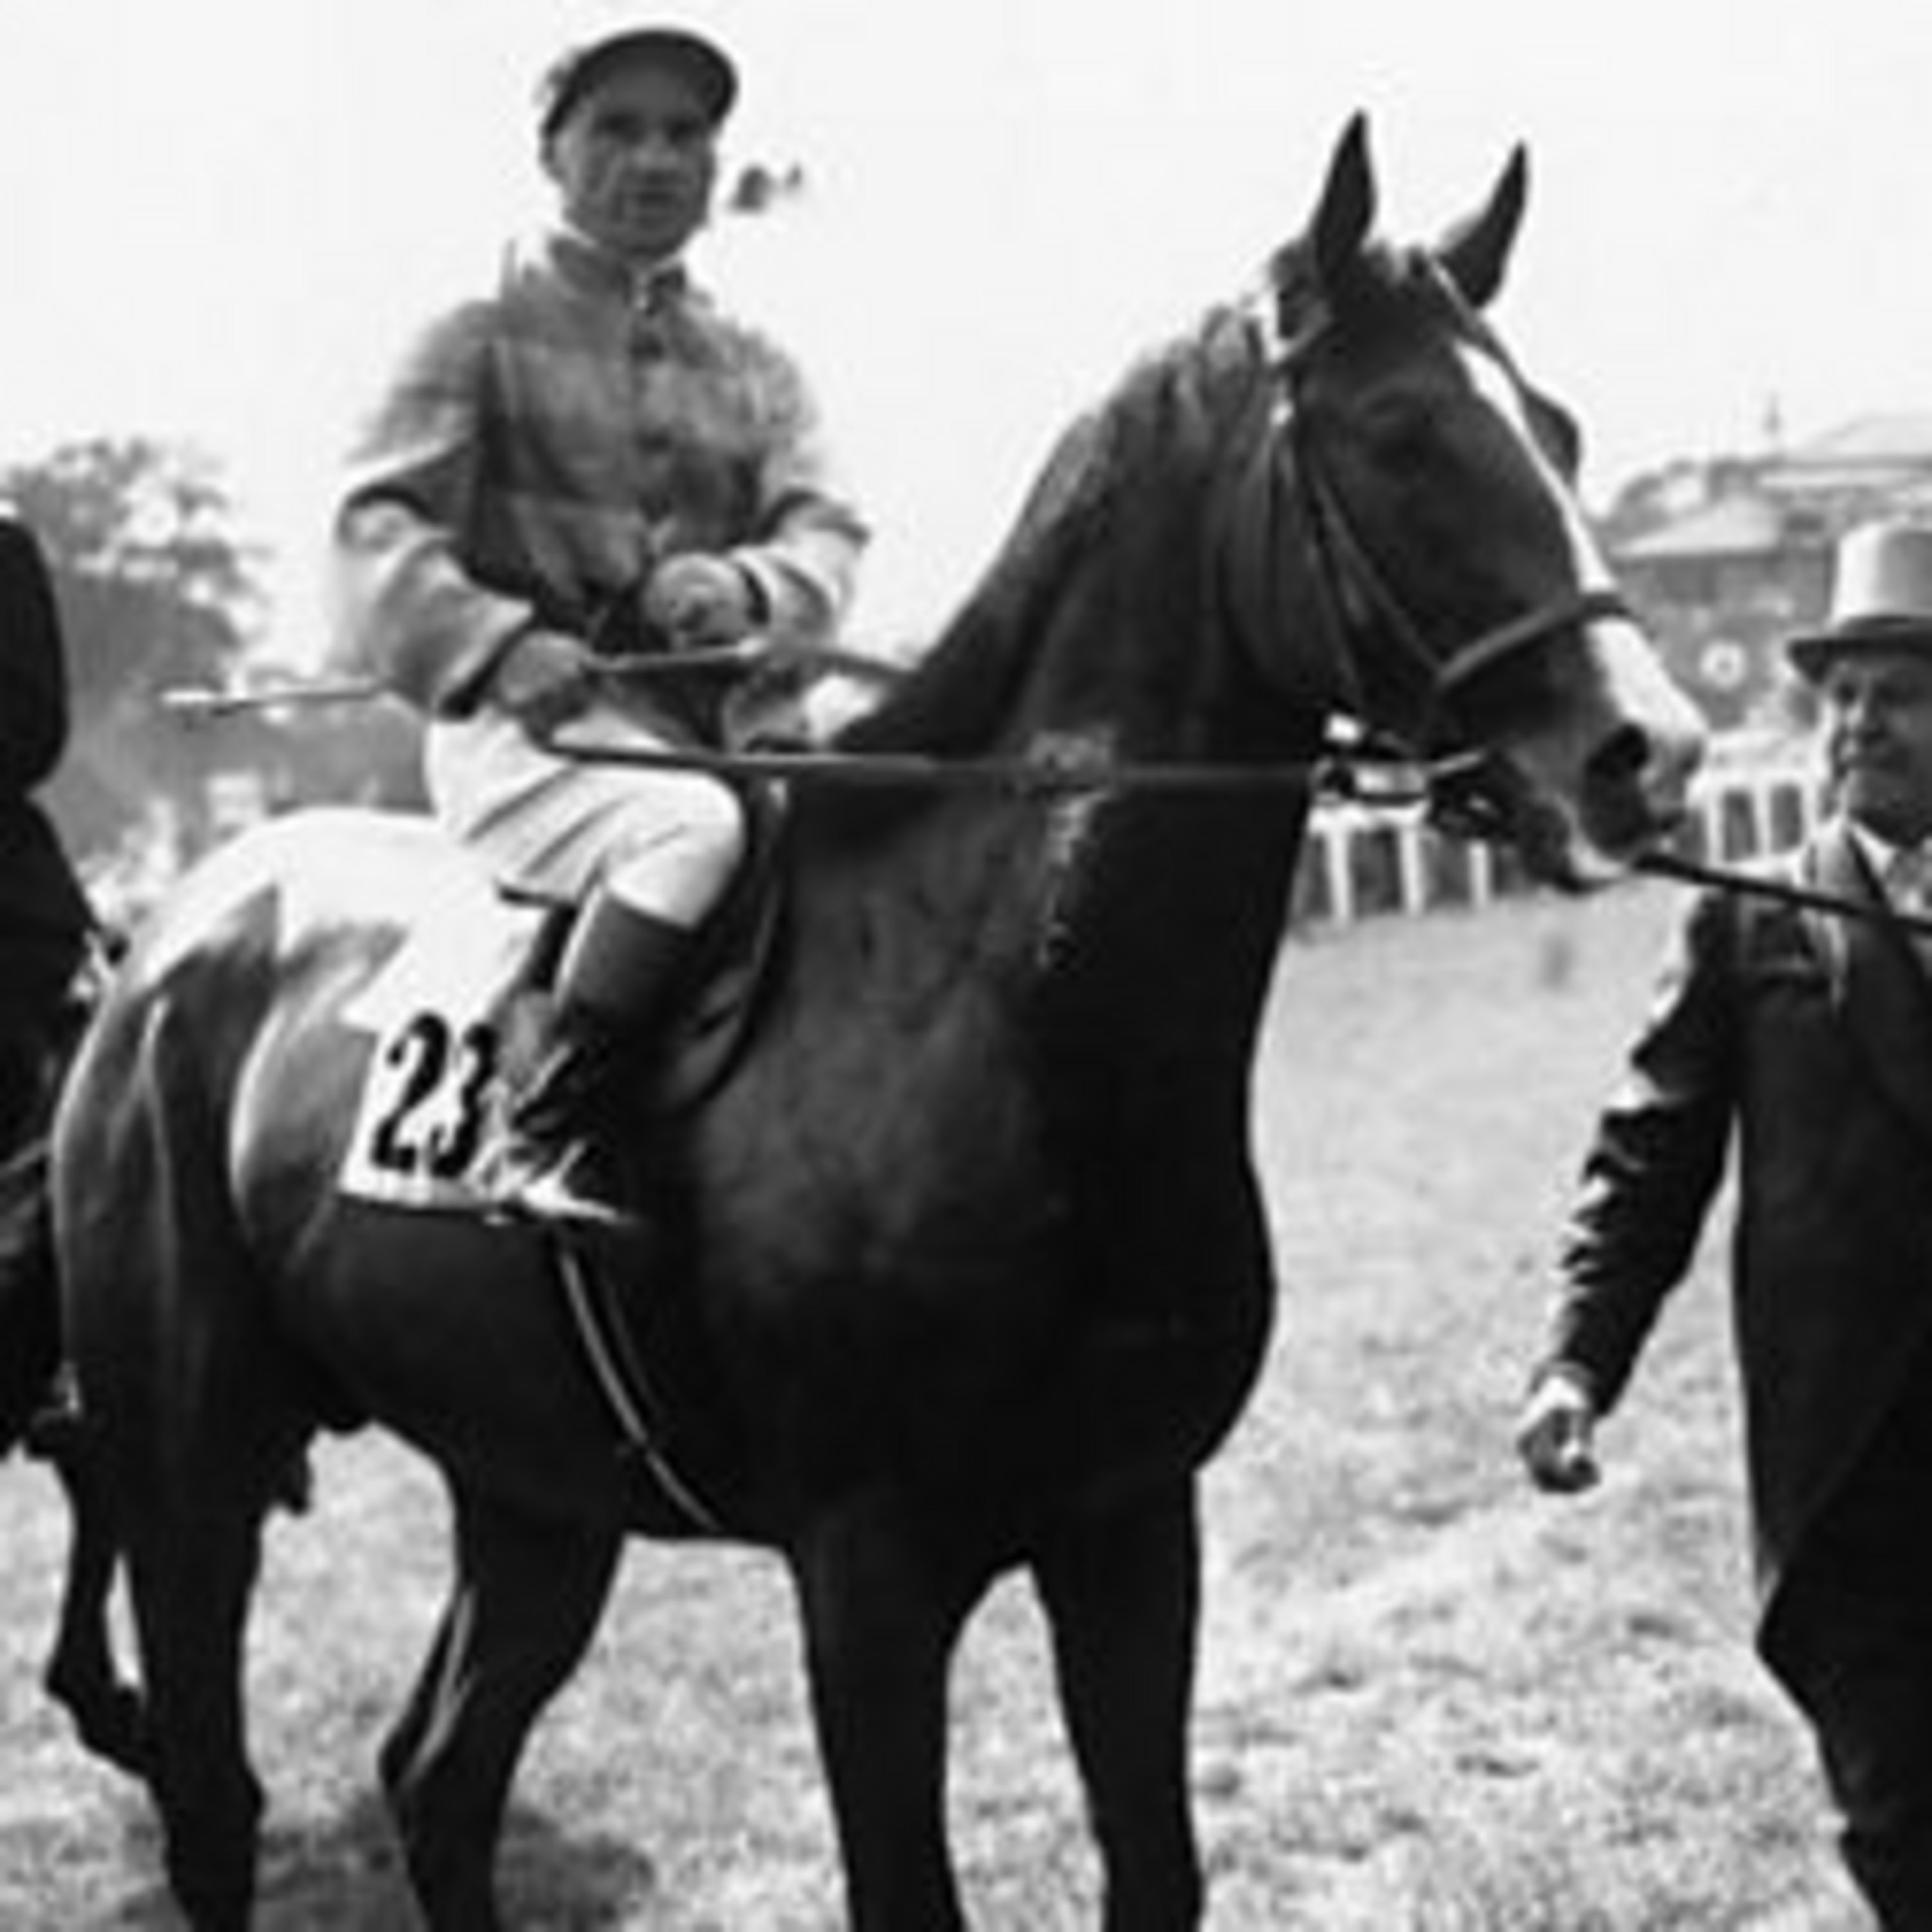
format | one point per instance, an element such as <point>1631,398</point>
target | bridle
<point>1354,582</point>
<point>1468,791</point>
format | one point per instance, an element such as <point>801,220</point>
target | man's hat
<point>1881,597</point>
<point>589,57</point>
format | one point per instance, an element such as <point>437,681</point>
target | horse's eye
<point>1399,433</point>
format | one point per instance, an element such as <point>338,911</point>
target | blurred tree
<point>154,590</point>
<point>157,590</point>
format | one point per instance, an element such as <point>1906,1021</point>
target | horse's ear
<point>1476,253</point>
<point>1347,209</point>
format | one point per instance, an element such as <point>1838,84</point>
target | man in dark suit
<point>1808,1035</point>
<point>45,922</point>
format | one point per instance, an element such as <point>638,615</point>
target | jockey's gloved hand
<point>698,598</point>
<point>544,680</point>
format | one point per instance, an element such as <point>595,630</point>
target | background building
<point>1727,558</point>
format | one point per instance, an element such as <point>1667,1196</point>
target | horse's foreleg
<point>884,1602</point>
<point>1122,1595</point>
<point>522,1609</point>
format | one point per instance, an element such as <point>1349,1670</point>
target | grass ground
<point>1430,1700</point>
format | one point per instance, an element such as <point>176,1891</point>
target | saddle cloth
<point>454,1016</point>
<point>441,1014</point>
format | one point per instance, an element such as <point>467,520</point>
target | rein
<point>1664,865</point>
<point>1358,774</point>
<point>1352,769</point>
<point>1055,770</point>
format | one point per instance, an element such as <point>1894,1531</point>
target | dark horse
<point>969,1266</point>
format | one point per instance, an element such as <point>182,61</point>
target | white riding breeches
<point>664,841</point>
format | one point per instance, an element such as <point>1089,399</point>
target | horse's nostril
<point>1621,757</point>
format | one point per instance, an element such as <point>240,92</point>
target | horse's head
<point>1413,523</point>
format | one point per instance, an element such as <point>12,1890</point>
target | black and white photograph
<point>965,967</point>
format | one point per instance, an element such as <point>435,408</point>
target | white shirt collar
<point>1885,859</point>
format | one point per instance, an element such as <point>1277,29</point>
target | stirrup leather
<point>567,1185</point>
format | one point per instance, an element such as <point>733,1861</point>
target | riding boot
<point>556,1162</point>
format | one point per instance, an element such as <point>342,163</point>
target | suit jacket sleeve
<point>33,666</point>
<point>1655,1162</point>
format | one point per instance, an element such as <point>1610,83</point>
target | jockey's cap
<point>592,51</point>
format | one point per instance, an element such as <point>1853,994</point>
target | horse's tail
<point>31,1339</point>
<point>108,1714</point>
<point>30,1315</point>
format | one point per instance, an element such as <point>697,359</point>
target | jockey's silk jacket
<point>541,449</point>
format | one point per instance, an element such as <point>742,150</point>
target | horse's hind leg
<point>193,1404</point>
<point>524,1607</point>
<point>81,1674</point>
<point>1122,1595</point>
<point>186,1436</point>
<point>191,1572</point>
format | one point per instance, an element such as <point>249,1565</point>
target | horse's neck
<point>1114,916</point>
<point>1166,910</point>
<point>1166,927</point>
<point>1102,638</point>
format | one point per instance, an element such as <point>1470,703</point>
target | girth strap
<point>599,1320</point>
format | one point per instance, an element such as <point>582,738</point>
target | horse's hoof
<point>118,1731</point>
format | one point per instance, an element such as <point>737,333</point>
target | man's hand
<point>544,680</point>
<point>699,599</point>
<point>1553,1434</point>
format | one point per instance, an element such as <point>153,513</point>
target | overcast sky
<point>217,216</point>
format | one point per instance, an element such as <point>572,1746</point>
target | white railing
<point>1362,863</point>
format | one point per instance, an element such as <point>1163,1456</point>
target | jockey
<point>46,924</point>
<point>591,460</point>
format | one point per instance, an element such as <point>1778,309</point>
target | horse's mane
<point>1162,423</point>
